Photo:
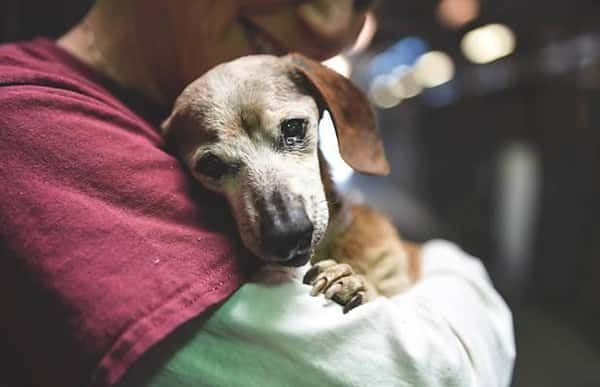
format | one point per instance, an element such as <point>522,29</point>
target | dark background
<point>532,136</point>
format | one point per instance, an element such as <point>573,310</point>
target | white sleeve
<point>457,293</point>
<point>452,329</point>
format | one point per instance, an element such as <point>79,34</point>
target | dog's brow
<point>203,135</point>
<point>250,119</point>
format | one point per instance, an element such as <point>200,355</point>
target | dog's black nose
<point>286,230</point>
<point>289,238</point>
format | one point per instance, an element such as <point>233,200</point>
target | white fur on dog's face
<point>235,112</point>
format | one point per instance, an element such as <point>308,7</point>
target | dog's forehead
<point>235,95</point>
<point>252,79</point>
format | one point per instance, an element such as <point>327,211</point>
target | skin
<point>157,47</point>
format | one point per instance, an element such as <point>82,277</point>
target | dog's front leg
<point>366,241</point>
<point>370,244</point>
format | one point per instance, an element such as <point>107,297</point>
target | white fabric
<point>452,329</point>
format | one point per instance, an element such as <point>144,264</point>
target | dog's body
<point>248,129</point>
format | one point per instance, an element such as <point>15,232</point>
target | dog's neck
<point>339,212</point>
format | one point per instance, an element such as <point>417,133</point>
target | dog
<point>248,130</point>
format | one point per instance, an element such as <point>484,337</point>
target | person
<point>117,269</point>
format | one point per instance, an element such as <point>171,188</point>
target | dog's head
<point>248,129</point>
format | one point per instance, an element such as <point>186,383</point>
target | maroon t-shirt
<point>106,245</point>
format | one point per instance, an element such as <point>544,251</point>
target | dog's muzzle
<point>286,230</point>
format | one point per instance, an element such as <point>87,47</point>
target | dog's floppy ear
<point>170,132</point>
<point>180,133</point>
<point>354,120</point>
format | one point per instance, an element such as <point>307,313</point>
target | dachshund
<point>248,130</point>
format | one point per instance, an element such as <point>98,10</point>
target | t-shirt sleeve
<point>104,244</point>
<point>452,329</point>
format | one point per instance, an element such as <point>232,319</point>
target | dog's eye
<point>211,166</point>
<point>293,130</point>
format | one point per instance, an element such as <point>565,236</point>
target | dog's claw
<point>353,303</point>
<point>310,275</point>
<point>339,283</point>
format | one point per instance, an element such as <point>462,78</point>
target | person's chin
<point>263,41</point>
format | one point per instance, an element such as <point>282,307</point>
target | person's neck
<point>107,40</point>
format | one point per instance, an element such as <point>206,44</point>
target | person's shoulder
<point>43,87</point>
<point>40,68</point>
<point>32,63</point>
<point>15,54</point>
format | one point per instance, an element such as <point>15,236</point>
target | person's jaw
<point>302,28</point>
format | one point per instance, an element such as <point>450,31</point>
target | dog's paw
<point>338,282</point>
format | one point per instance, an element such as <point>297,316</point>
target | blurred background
<point>490,112</point>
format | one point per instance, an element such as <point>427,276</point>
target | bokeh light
<point>381,92</point>
<point>434,69</point>
<point>457,13</point>
<point>404,52</point>
<point>488,43</point>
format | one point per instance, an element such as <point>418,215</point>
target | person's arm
<point>451,329</point>
<point>457,290</point>
<point>103,251</point>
